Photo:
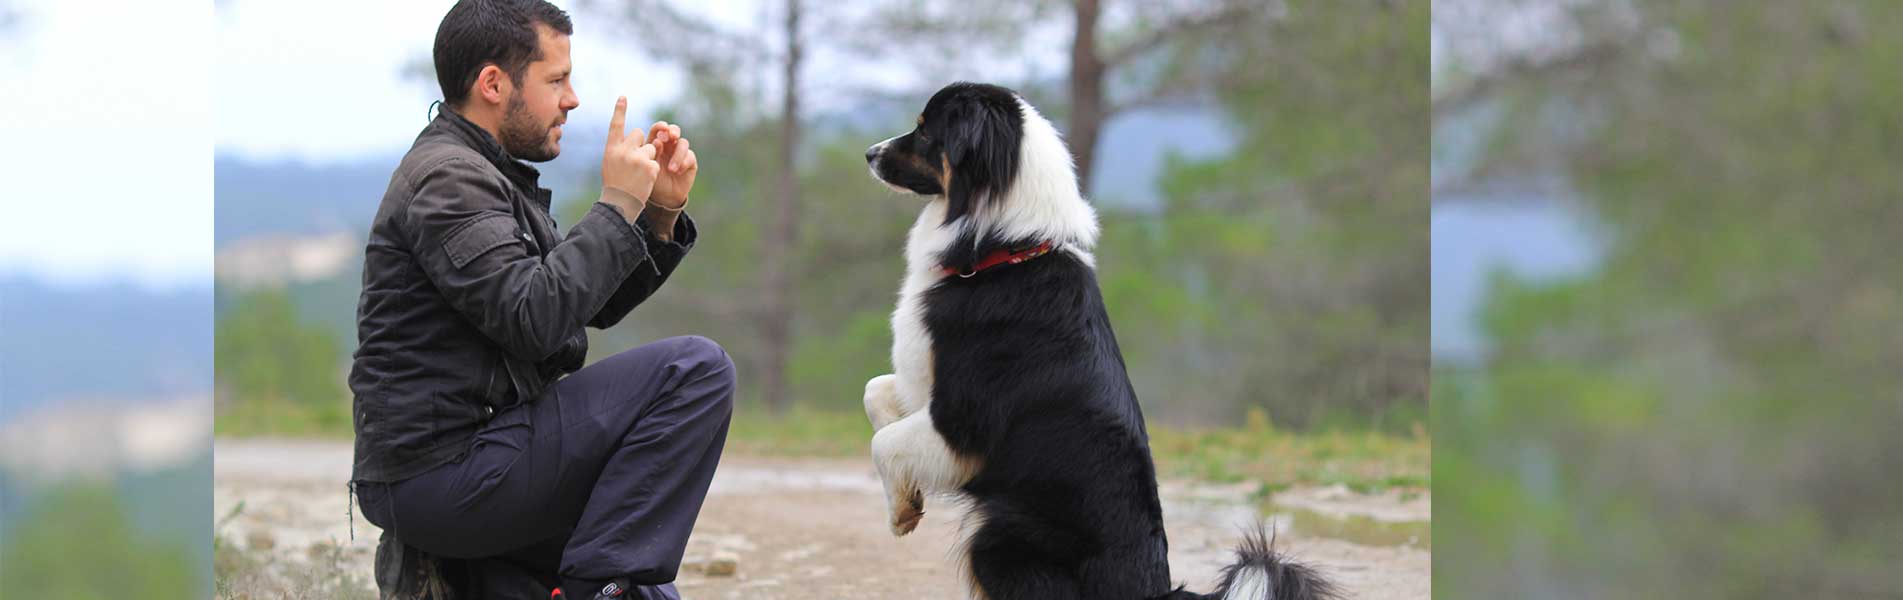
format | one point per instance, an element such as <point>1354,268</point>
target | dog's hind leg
<point>882,401</point>
<point>1008,574</point>
<point>914,460</point>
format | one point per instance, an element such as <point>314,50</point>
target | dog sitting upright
<point>1008,389</point>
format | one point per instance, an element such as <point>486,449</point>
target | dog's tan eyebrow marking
<point>921,119</point>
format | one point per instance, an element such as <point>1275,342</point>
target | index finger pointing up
<point>617,126</point>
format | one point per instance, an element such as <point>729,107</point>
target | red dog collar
<point>1003,257</point>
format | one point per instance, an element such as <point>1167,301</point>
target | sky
<point>323,81</point>
<point>121,116</point>
<point>107,155</point>
<point>124,114</point>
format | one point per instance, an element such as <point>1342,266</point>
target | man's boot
<point>407,573</point>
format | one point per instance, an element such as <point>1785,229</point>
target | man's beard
<point>522,137</point>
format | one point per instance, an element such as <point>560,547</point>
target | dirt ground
<point>815,528</point>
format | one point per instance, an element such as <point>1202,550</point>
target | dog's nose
<point>872,154</point>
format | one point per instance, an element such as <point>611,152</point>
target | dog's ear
<point>981,147</point>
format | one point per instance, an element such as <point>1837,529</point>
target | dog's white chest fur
<point>911,341</point>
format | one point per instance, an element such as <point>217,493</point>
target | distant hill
<point>112,340</point>
<point>256,198</point>
<point>293,198</point>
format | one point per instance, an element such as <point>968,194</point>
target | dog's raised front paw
<point>907,514</point>
<point>882,401</point>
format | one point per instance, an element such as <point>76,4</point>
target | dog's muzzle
<point>872,160</point>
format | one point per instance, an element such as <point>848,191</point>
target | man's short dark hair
<point>477,33</point>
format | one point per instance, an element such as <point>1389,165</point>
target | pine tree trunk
<point>1086,92</point>
<point>777,308</point>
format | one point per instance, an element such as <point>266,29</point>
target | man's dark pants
<point>601,477</point>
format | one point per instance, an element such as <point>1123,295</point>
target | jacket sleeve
<point>467,241</point>
<point>663,256</point>
<point>566,360</point>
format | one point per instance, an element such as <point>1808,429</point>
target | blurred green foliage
<point>1714,411</point>
<point>1288,275</point>
<point>1291,275</point>
<point>76,541</point>
<point>276,373</point>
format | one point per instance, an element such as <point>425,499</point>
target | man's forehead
<point>554,45</point>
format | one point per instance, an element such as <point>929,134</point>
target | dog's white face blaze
<point>1043,203</point>
<point>873,166</point>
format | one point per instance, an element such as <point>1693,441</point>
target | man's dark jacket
<point>471,304</point>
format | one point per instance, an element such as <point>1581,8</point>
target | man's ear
<point>983,156</point>
<point>492,85</point>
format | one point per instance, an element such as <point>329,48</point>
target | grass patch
<point>276,418</point>
<point>801,432</point>
<point>239,574</point>
<point>1365,461</point>
<point>243,574</point>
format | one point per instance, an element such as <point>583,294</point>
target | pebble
<point>723,564</point>
<point>259,539</point>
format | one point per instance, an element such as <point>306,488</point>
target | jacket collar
<point>470,134</point>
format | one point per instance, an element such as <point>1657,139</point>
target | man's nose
<point>872,154</point>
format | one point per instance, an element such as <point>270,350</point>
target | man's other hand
<point>678,167</point>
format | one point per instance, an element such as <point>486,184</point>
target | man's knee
<point>704,353</point>
<point>708,360</point>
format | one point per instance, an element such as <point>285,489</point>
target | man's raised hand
<point>628,163</point>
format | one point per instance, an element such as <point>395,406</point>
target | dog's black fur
<point>1029,382</point>
<point>1029,377</point>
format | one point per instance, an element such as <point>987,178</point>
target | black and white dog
<point>1008,390</point>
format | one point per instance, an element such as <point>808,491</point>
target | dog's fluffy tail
<point>1261,573</point>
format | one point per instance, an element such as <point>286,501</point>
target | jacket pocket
<point>477,237</point>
